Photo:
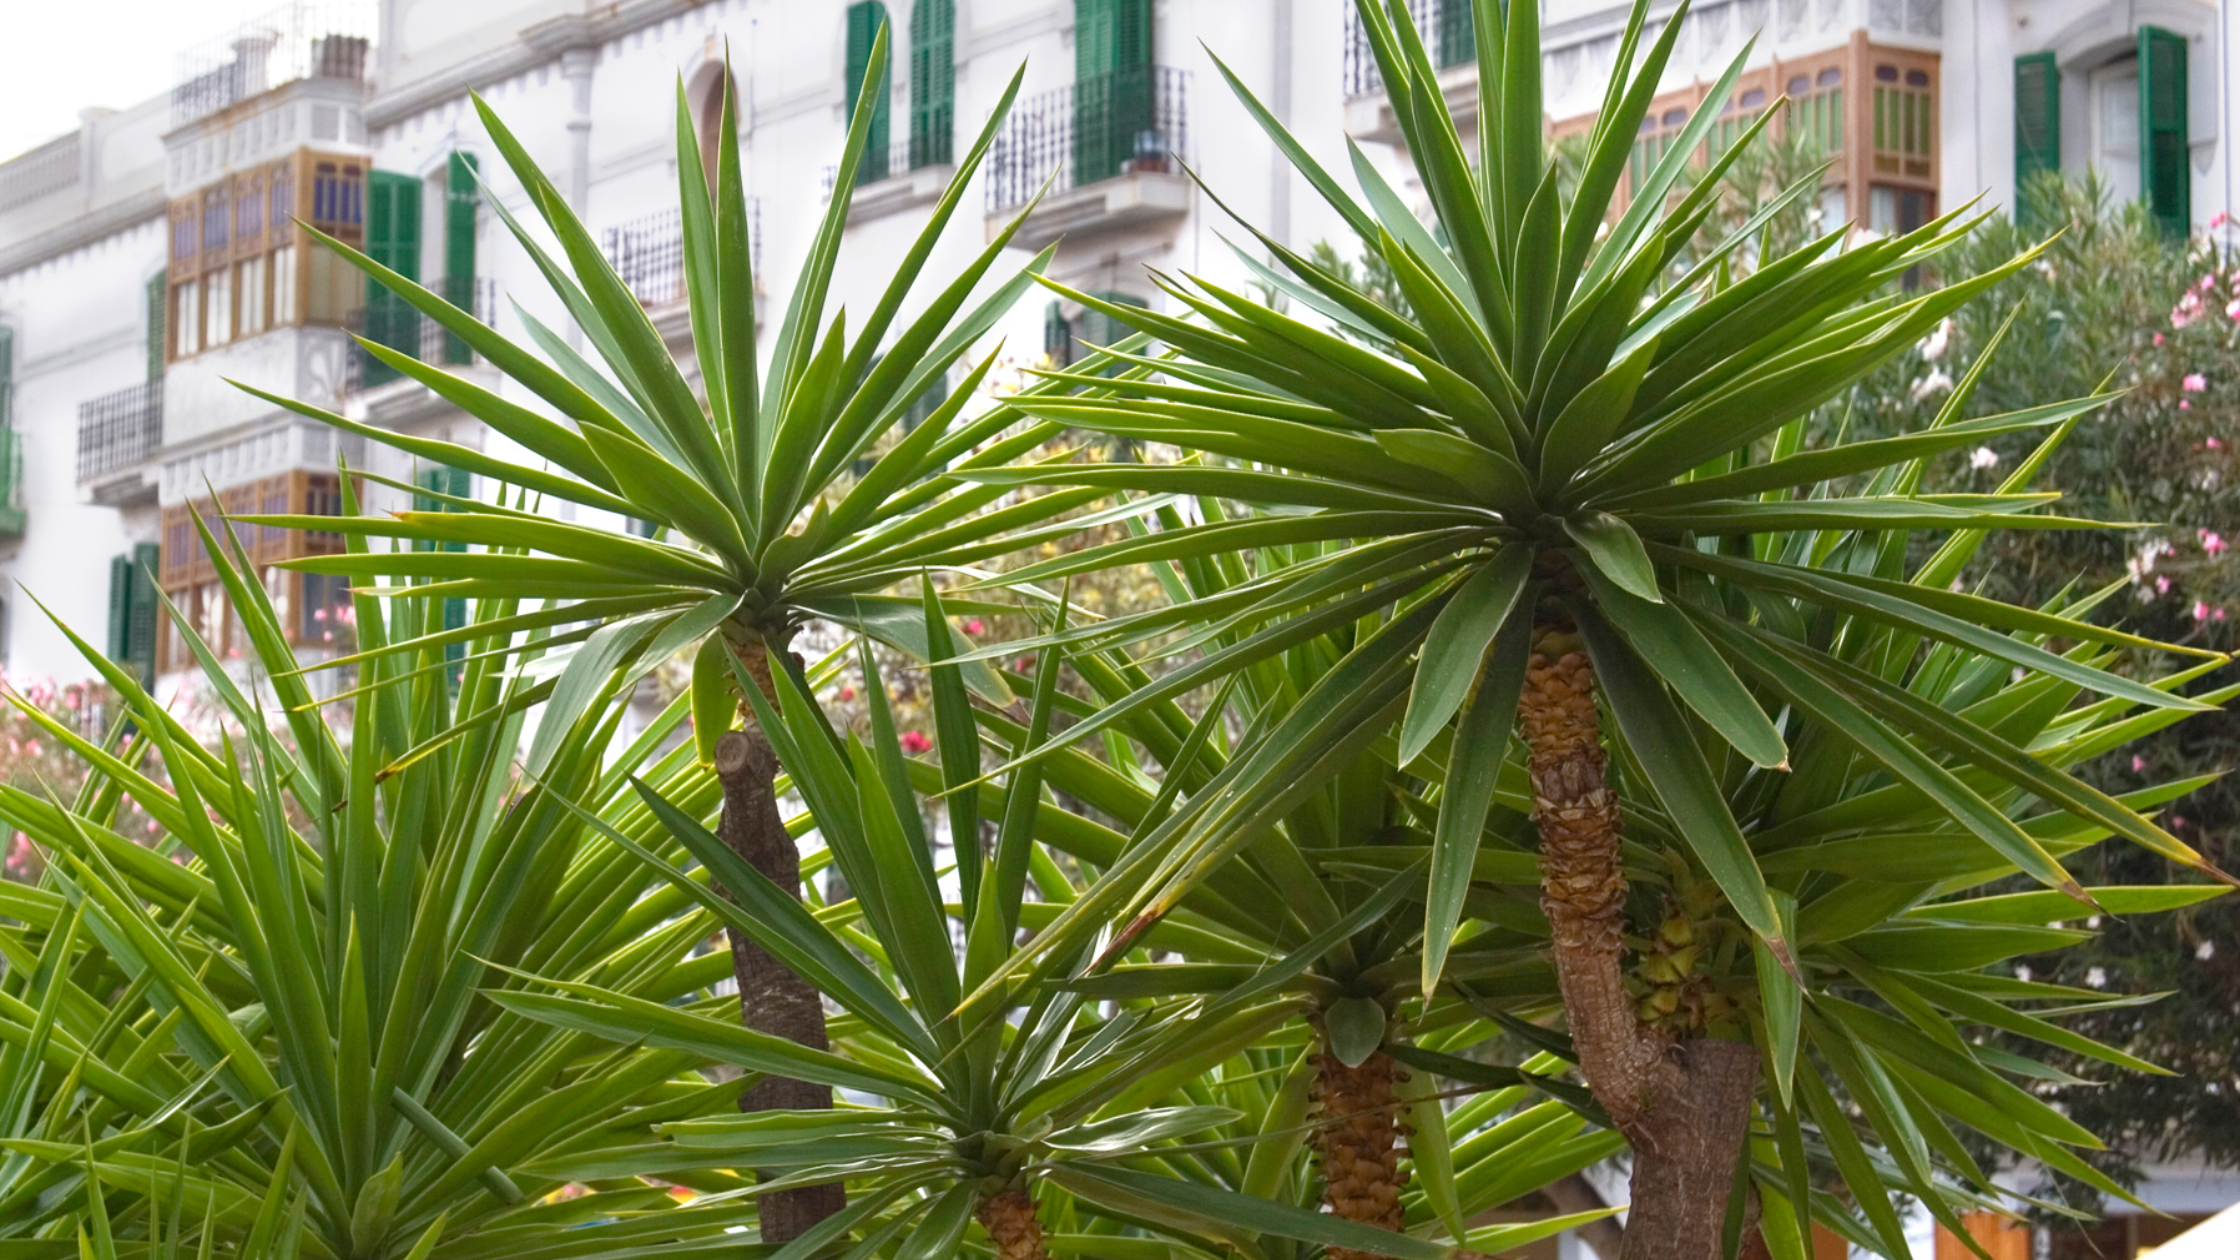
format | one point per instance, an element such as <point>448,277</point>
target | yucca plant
<point>970,1112</point>
<point>1364,1077</point>
<point>274,1039</point>
<point>764,519</point>
<point>1579,473</point>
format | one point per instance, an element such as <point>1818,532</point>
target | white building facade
<point>151,258</point>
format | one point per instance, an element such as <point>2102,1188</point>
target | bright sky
<point>58,57</point>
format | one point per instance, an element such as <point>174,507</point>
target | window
<point>186,310</point>
<point>184,571</point>
<point>933,82</point>
<point>1658,131</point>
<point>393,240</point>
<point>457,483</point>
<point>217,309</point>
<point>235,267</point>
<point>1816,109</point>
<point>2037,124</point>
<point>1905,120</point>
<point>133,611</point>
<point>1455,33</point>
<point>249,282</point>
<point>2165,182</point>
<point>1111,85</point>
<point>157,290</point>
<point>462,199</point>
<point>864,20</point>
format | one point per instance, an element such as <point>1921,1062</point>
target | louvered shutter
<point>2165,180</point>
<point>393,240</point>
<point>156,291</point>
<point>120,607</point>
<point>7,378</point>
<point>462,196</point>
<point>864,20</point>
<point>141,612</point>
<point>2037,124</point>
<point>933,82</point>
<point>1112,85</point>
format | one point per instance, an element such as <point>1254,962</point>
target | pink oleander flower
<point>2187,310</point>
<point>2218,220</point>
<point>976,626</point>
<point>2194,383</point>
<point>2185,405</point>
<point>2214,445</point>
<point>913,742</point>
<point>2201,610</point>
<point>2138,764</point>
<point>847,693</point>
<point>2161,585</point>
<point>2158,339</point>
<point>2212,542</point>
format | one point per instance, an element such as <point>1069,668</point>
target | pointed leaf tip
<point>1778,946</point>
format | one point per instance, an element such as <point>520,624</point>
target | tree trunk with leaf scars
<point>1682,1105</point>
<point>1357,1142</point>
<point>772,999</point>
<point>1012,1225</point>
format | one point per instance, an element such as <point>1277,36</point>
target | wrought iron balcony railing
<point>1136,119</point>
<point>1450,34</point>
<point>397,324</point>
<point>118,430</point>
<point>933,146</point>
<point>648,253</point>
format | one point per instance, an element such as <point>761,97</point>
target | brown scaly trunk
<point>1684,1106</point>
<point>772,999</point>
<point>1357,1143</point>
<point>1010,1221</point>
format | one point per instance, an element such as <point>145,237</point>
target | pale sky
<point>60,56</point>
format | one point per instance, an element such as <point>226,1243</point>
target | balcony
<point>307,39</point>
<point>902,176</point>
<point>11,484</point>
<point>391,321</point>
<point>1109,146</point>
<point>648,254</point>
<point>117,432</point>
<point>1450,34</point>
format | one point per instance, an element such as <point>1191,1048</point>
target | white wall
<point>79,333</point>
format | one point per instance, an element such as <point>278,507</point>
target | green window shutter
<point>864,20</point>
<point>933,82</point>
<point>2165,178</point>
<point>120,607</point>
<point>459,483</point>
<point>1112,85</point>
<point>142,614</point>
<point>7,378</point>
<point>1057,336</point>
<point>462,196</point>
<point>156,292</point>
<point>1457,33</point>
<point>2037,125</point>
<point>393,240</point>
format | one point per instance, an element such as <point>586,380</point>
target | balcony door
<point>1112,114</point>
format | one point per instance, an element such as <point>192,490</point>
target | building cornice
<point>538,45</point>
<point>84,230</point>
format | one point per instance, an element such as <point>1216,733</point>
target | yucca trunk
<point>1357,1142</point>
<point>1683,1106</point>
<point>1013,1226</point>
<point>772,999</point>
